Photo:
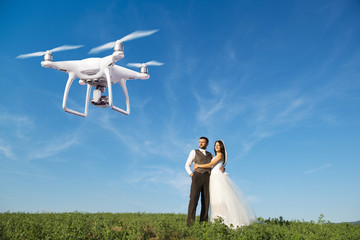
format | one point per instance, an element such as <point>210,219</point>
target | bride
<point>226,201</point>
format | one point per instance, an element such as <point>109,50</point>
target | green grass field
<point>77,225</point>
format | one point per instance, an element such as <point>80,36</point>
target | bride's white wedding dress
<point>227,201</point>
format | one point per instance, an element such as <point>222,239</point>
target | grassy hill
<point>76,225</point>
<point>355,223</point>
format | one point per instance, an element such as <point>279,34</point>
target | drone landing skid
<point>123,85</point>
<point>66,93</point>
<point>103,101</point>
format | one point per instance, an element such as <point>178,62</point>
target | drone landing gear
<point>98,100</point>
<point>66,93</point>
<point>123,85</point>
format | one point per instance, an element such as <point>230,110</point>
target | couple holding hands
<point>219,195</point>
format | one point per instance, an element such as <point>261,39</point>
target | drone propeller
<point>151,63</point>
<point>131,36</point>
<point>58,49</point>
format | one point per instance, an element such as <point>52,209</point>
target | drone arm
<point>64,66</point>
<point>110,60</point>
<point>117,55</point>
<point>66,93</point>
<point>123,85</point>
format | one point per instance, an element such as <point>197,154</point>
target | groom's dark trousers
<point>200,185</point>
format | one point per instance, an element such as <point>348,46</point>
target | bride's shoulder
<point>219,156</point>
<point>222,157</point>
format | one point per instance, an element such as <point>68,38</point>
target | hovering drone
<point>98,72</point>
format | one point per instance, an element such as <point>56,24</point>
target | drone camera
<point>98,100</point>
<point>96,95</point>
<point>102,101</point>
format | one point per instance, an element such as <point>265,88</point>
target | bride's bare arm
<point>217,158</point>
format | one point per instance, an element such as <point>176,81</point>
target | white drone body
<point>98,73</point>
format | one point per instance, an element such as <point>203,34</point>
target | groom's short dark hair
<point>207,140</point>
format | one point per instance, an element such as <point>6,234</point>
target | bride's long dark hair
<point>222,149</point>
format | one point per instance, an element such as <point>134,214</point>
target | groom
<point>200,181</point>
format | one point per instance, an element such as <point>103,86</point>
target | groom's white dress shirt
<point>190,160</point>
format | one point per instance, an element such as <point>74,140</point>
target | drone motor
<point>143,66</point>
<point>118,46</point>
<point>118,50</point>
<point>48,57</point>
<point>144,69</point>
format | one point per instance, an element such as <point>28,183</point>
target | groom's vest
<point>200,158</point>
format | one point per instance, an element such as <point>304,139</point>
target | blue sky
<point>278,81</point>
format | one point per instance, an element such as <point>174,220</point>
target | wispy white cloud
<point>140,104</point>
<point>255,117</point>
<point>260,115</point>
<point>221,104</point>
<point>270,114</point>
<point>19,124</point>
<point>54,146</point>
<point>250,140</point>
<point>311,171</point>
<point>178,181</point>
<point>329,119</point>
<point>129,140</point>
<point>18,132</point>
<point>6,150</point>
<point>27,174</point>
<point>208,108</point>
<point>334,10</point>
<point>168,143</point>
<point>15,128</point>
<point>231,53</point>
<point>280,108</point>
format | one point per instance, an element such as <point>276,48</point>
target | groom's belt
<point>203,170</point>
